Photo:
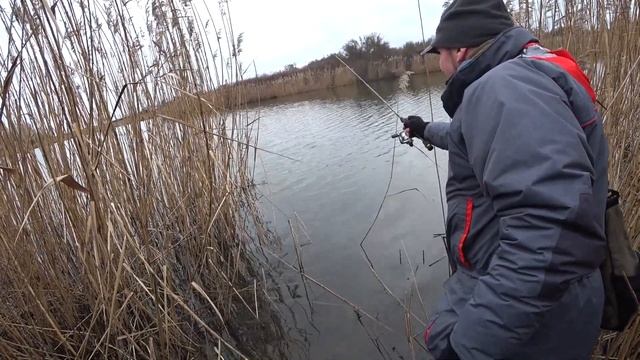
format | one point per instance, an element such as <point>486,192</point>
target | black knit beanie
<point>469,23</point>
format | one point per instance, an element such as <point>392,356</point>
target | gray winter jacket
<point>526,200</point>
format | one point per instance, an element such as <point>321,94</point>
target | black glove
<point>416,126</point>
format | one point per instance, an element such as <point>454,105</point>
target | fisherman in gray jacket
<point>526,193</point>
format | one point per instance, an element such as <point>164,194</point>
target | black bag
<point>620,270</point>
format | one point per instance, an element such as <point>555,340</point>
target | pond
<point>341,139</point>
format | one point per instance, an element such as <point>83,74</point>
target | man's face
<point>448,61</point>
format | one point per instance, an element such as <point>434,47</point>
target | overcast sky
<point>281,32</point>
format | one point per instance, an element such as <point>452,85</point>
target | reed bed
<point>306,80</point>
<point>605,37</point>
<point>133,241</point>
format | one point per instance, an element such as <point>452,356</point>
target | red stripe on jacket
<point>465,234</point>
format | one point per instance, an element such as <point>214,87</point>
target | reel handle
<point>404,139</point>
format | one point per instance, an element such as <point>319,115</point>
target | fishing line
<point>435,152</point>
<point>384,198</point>
<point>393,158</point>
<point>434,161</point>
<point>364,252</point>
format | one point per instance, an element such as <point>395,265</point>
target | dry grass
<point>133,241</point>
<point>605,36</point>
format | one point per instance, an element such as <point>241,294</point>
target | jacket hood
<point>506,46</point>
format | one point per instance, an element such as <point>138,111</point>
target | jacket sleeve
<point>532,160</point>
<point>437,134</point>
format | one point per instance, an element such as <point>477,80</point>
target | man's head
<point>466,24</point>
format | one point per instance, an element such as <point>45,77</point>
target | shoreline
<point>304,81</point>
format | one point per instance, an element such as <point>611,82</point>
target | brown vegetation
<point>128,242</point>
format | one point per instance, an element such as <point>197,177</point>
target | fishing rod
<point>404,138</point>
<point>402,135</point>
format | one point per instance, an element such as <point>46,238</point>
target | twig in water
<point>375,340</point>
<point>437,261</point>
<point>407,326</point>
<point>303,227</point>
<point>388,291</point>
<point>355,307</point>
<point>296,247</point>
<point>415,280</point>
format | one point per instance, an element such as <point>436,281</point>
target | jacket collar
<point>506,46</point>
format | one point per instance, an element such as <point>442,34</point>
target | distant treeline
<point>370,56</point>
<point>366,49</point>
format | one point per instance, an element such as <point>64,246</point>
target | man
<point>526,193</point>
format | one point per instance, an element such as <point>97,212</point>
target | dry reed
<point>130,241</point>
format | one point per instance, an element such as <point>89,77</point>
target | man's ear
<point>461,55</point>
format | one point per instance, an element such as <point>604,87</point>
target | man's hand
<point>414,126</point>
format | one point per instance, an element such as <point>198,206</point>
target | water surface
<point>342,139</point>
